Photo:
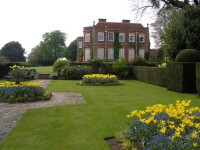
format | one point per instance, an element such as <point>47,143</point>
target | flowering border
<point>170,127</point>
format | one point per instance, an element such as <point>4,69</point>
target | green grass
<point>43,69</point>
<point>84,127</point>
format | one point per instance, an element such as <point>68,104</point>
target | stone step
<point>43,76</point>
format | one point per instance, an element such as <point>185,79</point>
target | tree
<point>71,51</point>
<point>4,59</point>
<point>54,45</point>
<point>49,50</point>
<point>13,51</point>
<point>183,31</point>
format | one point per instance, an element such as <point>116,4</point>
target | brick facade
<point>98,40</point>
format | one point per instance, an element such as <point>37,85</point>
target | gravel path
<point>10,114</point>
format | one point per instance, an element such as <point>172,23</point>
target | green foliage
<point>4,59</point>
<point>75,72</point>
<point>188,55</point>
<point>117,46</point>
<point>49,50</point>
<point>139,61</point>
<point>13,51</point>
<point>71,51</point>
<point>151,75</point>
<point>182,31</point>
<point>121,69</point>
<point>59,64</point>
<point>181,77</point>
<point>160,56</point>
<point>175,38</point>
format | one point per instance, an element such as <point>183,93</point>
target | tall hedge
<point>181,77</point>
<point>151,75</point>
<point>198,78</point>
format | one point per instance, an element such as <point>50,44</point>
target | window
<point>131,54</point>
<point>80,44</point>
<point>141,38</point>
<point>131,37</point>
<point>111,36</point>
<point>100,53</point>
<point>87,37</point>
<point>121,53</point>
<point>121,37</point>
<point>141,53</point>
<point>87,54</point>
<point>100,36</point>
<point>110,54</point>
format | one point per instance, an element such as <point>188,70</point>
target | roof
<point>117,25</point>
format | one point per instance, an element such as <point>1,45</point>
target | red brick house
<point>98,40</point>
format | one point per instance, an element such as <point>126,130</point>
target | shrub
<point>188,55</point>
<point>122,69</point>
<point>100,79</point>
<point>76,72</point>
<point>139,61</point>
<point>59,64</point>
<point>22,92</point>
<point>174,127</point>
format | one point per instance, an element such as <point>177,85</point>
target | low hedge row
<point>151,75</point>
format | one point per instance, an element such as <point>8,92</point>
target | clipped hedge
<point>151,75</point>
<point>198,78</point>
<point>75,72</point>
<point>181,77</point>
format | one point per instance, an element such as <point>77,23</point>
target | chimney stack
<point>125,21</point>
<point>102,20</point>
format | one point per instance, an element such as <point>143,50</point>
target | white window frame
<point>100,36</point>
<point>87,57</point>
<point>87,37</point>
<point>141,38</point>
<point>132,37</point>
<point>100,53</point>
<point>121,37</point>
<point>131,54</point>
<point>141,53</point>
<point>121,53</point>
<point>110,53</point>
<point>80,44</point>
<point>111,36</point>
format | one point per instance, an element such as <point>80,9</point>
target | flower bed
<point>161,127</point>
<point>100,79</point>
<point>25,91</point>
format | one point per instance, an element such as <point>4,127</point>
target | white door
<point>100,53</point>
<point>141,53</point>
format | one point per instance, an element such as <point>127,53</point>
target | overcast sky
<point>26,21</point>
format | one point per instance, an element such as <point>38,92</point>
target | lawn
<point>42,69</point>
<point>84,127</point>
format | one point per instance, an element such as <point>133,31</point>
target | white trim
<point>131,54</point>
<point>110,53</point>
<point>87,54</point>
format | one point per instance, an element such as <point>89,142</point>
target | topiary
<point>188,55</point>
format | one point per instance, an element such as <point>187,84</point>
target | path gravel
<point>10,114</point>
